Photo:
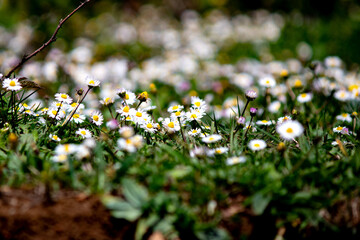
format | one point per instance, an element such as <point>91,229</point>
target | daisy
<point>211,138</point>
<point>126,132</point>
<point>129,97</point>
<point>91,82</point>
<point>235,160</point>
<point>194,114</point>
<point>171,125</point>
<point>126,145</point>
<point>198,103</point>
<point>283,119</point>
<point>124,111</point>
<point>84,133</point>
<point>29,112</point>
<point>220,150</point>
<point>175,108</point>
<point>338,129</point>
<point>263,122</point>
<point>12,84</point>
<point>97,118</point>
<point>59,105</point>
<point>54,138</point>
<point>332,62</point>
<point>290,129</point>
<point>107,101</point>
<point>138,115</point>
<point>274,106</point>
<point>267,82</point>
<point>178,114</point>
<point>78,118</point>
<point>53,112</point>
<point>342,95</point>
<point>60,158</point>
<point>72,107</point>
<point>304,97</point>
<point>149,126</point>
<point>24,105</point>
<point>257,144</point>
<point>344,117</point>
<point>65,149</point>
<point>63,97</point>
<point>194,132</point>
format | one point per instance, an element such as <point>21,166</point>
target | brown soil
<point>72,215</point>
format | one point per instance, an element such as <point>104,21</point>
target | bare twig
<point>25,58</point>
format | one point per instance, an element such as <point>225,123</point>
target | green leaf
<point>135,194</point>
<point>260,202</point>
<point>121,209</point>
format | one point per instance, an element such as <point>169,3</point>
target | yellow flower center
<point>54,112</point>
<point>353,87</point>
<point>344,115</point>
<point>297,83</point>
<point>267,82</point>
<point>67,147</point>
<point>339,128</point>
<point>76,115</point>
<point>197,104</point>
<point>175,107</point>
<point>289,130</point>
<point>256,145</point>
<point>55,137</point>
<point>64,96</point>
<point>177,113</point>
<point>193,116</point>
<point>128,141</point>
<point>138,114</point>
<point>107,100</point>
<point>264,121</point>
<point>91,82</point>
<point>218,151</point>
<point>194,131</point>
<point>285,118</point>
<point>303,95</point>
<point>25,105</point>
<point>96,118</point>
<point>12,84</point>
<point>73,104</point>
<point>342,95</point>
<point>127,96</point>
<point>126,109</point>
<point>171,125</point>
<point>149,125</point>
<point>211,139</point>
<point>83,132</point>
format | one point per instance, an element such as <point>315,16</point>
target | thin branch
<point>25,58</point>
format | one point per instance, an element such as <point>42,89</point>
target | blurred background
<point>314,28</point>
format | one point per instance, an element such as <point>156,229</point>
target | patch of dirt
<point>72,215</point>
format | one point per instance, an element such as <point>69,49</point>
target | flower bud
<point>241,121</point>
<point>251,95</point>
<point>253,112</point>
<point>143,96</point>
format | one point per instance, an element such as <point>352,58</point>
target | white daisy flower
<point>171,125</point>
<point>60,158</point>
<point>338,129</point>
<point>54,138</point>
<point>344,117</point>
<point>29,112</point>
<point>304,97</point>
<point>126,132</point>
<point>91,82</point>
<point>11,84</point>
<point>332,62</point>
<point>290,129</point>
<point>211,138</point>
<point>235,160</point>
<point>65,149</point>
<point>198,103</point>
<point>63,97</point>
<point>220,150</point>
<point>178,114</point>
<point>97,118</point>
<point>149,126</point>
<point>138,115</point>
<point>72,107</point>
<point>124,111</point>
<point>52,112</point>
<point>78,118</point>
<point>84,133</point>
<point>263,122</point>
<point>60,105</point>
<point>274,106</point>
<point>342,95</point>
<point>107,101</point>
<point>267,82</point>
<point>194,114</point>
<point>283,119</point>
<point>194,132</point>
<point>126,145</point>
<point>257,144</point>
<point>128,96</point>
<point>175,108</point>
